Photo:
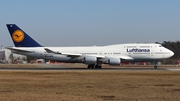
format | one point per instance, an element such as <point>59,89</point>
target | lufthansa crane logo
<point>18,36</point>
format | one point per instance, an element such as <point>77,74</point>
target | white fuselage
<point>125,52</point>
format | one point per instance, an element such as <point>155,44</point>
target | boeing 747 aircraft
<point>93,56</point>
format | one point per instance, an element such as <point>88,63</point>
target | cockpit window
<point>160,45</point>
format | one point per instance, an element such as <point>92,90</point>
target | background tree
<point>175,47</point>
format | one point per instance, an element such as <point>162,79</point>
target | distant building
<point>2,55</point>
<point>6,56</point>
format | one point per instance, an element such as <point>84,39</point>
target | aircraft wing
<point>126,58</point>
<point>67,54</point>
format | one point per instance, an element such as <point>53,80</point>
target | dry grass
<point>89,85</point>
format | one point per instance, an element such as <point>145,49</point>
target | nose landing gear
<point>155,65</point>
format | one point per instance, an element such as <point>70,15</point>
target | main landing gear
<point>96,66</point>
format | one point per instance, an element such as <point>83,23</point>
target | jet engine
<point>90,60</point>
<point>114,61</point>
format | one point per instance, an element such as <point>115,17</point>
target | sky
<point>91,22</point>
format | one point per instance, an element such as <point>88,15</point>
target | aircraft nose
<point>172,53</point>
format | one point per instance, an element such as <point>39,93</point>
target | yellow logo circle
<point>18,36</point>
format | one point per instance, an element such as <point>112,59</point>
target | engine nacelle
<point>90,60</point>
<point>114,61</point>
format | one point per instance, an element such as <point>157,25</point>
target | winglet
<point>20,38</point>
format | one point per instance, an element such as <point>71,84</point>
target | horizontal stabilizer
<point>18,50</point>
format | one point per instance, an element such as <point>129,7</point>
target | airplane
<point>92,56</point>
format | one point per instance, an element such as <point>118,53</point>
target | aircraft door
<point>152,52</point>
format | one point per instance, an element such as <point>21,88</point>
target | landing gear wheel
<point>98,66</point>
<point>155,67</point>
<point>91,66</point>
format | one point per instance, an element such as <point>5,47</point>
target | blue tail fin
<point>20,38</point>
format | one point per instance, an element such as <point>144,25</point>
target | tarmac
<point>76,67</point>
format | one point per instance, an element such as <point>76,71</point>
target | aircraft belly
<point>141,60</point>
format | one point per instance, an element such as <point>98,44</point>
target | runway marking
<point>174,69</point>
